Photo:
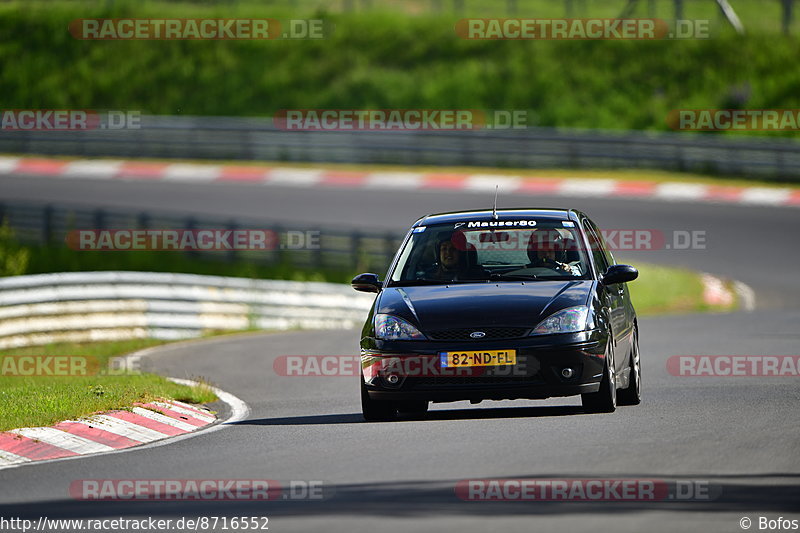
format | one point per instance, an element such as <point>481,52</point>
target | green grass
<point>663,290</point>
<point>46,400</point>
<point>43,259</point>
<point>387,59</point>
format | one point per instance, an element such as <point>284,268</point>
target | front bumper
<point>410,370</point>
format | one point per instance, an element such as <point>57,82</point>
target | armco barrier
<point>258,139</point>
<point>93,306</point>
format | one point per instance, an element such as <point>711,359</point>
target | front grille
<point>464,333</point>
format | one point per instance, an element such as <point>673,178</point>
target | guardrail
<point>338,249</point>
<point>258,139</point>
<point>93,306</point>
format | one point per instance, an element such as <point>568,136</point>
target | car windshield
<point>527,250</point>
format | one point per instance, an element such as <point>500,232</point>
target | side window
<point>596,248</point>
<point>609,257</point>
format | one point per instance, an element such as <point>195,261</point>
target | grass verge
<point>32,401</point>
<point>669,290</point>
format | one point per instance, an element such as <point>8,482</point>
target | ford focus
<point>500,305</point>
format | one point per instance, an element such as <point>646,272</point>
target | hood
<point>509,304</point>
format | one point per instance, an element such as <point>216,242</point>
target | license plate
<point>482,358</point>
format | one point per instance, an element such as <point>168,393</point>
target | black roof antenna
<point>494,208</point>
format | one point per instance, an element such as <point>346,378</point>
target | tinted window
<point>598,250</point>
<point>537,249</point>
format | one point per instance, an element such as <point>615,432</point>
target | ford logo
<point>477,334</point>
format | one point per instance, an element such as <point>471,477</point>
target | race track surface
<point>737,435</point>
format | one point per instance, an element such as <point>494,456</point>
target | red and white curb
<point>388,180</point>
<point>717,293</point>
<point>115,431</point>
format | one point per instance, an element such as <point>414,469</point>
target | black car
<point>496,305</point>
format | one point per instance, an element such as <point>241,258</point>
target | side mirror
<point>366,283</point>
<point>619,274</point>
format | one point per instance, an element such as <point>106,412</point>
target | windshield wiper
<point>511,277</point>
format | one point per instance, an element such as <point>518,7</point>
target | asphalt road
<point>738,436</point>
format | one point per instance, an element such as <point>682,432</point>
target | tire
<point>376,410</point>
<point>605,399</point>
<point>632,395</point>
<point>413,408</point>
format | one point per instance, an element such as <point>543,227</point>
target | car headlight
<point>392,328</point>
<point>569,320</point>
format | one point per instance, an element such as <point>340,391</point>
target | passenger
<point>455,262</point>
<point>548,249</point>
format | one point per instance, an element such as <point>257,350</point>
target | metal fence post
<point>355,245</point>
<point>280,251</point>
<point>231,255</point>
<point>47,224</point>
<point>143,220</point>
<point>99,218</point>
<point>317,258</point>
<point>190,225</point>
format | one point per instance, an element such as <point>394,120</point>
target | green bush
<point>14,257</point>
<point>383,60</point>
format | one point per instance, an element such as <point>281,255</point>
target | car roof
<point>487,215</point>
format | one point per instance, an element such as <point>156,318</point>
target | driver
<point>547,249</point>
<point>452,263</point>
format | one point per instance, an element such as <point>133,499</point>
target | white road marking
<point>92,169</point>
<point>8,459</point>
<point>296,177</point>
<point>747,296</point>
<point>63,440</point>
<point>8,164</point>
<point>123,428</point>
<point>488,182</point>
<point>587,187</point>
<point>764,196</point>
<point>393,180</point>
<point>158,417</point>
<point>681,191</point>
<point>187,172</point>
<point>188,412</point>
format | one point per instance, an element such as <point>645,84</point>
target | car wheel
<point>376,410</point>
<point>605,399</point>
<point>414,408</point>
<point>633,394</point>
